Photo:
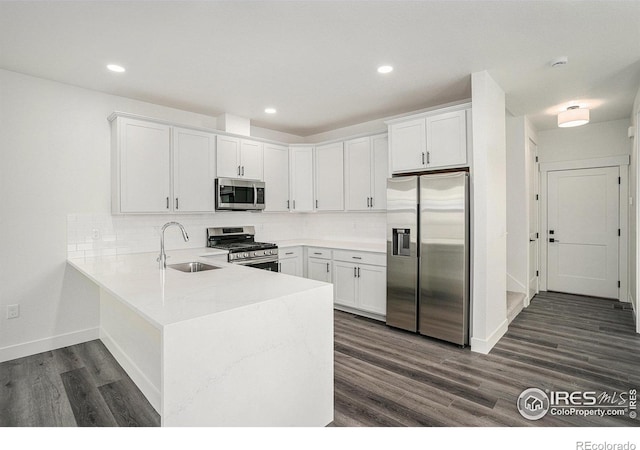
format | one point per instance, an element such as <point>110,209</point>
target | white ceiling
<point>316,61</point>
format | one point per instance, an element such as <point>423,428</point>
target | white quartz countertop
<point>169,296</point>
<point>376,247</point>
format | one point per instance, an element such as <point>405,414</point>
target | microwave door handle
<point>255,195</point>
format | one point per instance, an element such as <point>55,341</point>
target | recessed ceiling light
<point>270,110</point>
<point>115,68</point>
<point>385,69</point>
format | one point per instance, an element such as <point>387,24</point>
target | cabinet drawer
<point>289,252</point>
<point>319,252</point>
<point>377,259</point>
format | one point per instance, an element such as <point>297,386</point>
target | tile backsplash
<point>105,234</point>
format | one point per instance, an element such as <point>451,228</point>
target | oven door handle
<point>255,195</point>
<point>255,261</point>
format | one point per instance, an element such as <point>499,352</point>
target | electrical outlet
<point>13,311</point>
<point>95,234</point>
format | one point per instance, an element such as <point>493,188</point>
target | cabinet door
<point>408,145</point>
<point>447,139</point>
<point>344,287</point>
<point>319,269</point>
<point>329,176</point>
<point>301,170</point>
<point>379,171</point>
<point>228,157</point>
<point>193,170</point>
<point>251,157</point>
<point>290,266</point>
<point>372,289</point>
<point>276,177</point>
<point>145,166</point>
<point>357,156</point>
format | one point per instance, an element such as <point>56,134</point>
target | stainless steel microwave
<point>239,195</point>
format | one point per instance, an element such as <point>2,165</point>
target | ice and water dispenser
<point>401,241</point>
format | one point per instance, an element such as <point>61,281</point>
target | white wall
<point>593,140</point>
<point>634,212</point>
<point>489,316</point>
<point>55,186</point>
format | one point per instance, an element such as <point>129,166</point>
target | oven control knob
<point>246,255</point>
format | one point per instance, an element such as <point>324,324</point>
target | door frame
<point>534,172</point>
<point>622,162</point>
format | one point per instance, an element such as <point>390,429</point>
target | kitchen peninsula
<point>232,346</point>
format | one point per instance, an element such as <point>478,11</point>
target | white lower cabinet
<point>319,269</point>
<point>360,282</point>
<point>290,261</point>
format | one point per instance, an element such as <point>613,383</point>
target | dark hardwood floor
<point>383,376</point>
<point>81,385</point>
<point>387,377</point>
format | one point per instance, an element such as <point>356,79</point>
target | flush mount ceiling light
<point>574,116</point>
<point>270,110</point>
<point>115,68</point>
<point>385,69</point>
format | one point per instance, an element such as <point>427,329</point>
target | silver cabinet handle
<point>368,205</point>
<point>176,202</point>
<point>316,204</point>
<point>288,204</point>
<point>327,267</point>
<point>242,170</point>
<point>289,253</point>
<point>358,272</point>
<point>355,272</point>
<point>422,157</point>
<point>428,162</point>
<point>372,202</point>
<point>167,202</point>
<point>238,170</point>
<point>317,253</point>
<point>356,257</point>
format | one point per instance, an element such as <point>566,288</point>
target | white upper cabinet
<point>366,173</point>
<point>408,145</point>
<point>329,177</point>
<point>193,170</point>
<point>431,141</point>
<point>141,166</point>
<point>301,176</point>
<point>158,168</point>
<point>239,158</point>
<point>276,177</point>
<point>447,139</point>
<point>251,159</point>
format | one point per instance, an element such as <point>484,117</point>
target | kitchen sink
<point>195,266</point>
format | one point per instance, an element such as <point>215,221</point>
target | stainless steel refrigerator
<point>428,255</point>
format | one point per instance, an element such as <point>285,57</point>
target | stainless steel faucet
<point>162,259</point>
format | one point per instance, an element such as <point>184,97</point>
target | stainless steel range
<point>242,247</point>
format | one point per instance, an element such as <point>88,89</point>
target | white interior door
<point>532,189</point>
<point>583,218</point>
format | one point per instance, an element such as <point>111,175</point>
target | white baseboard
<point>484,346</point>
<point>150,391</point>
<point>48,344</point>
<point>360,312</point>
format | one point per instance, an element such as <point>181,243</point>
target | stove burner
<point>240,243</point>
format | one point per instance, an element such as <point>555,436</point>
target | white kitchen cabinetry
<point>366,166</point>
<point>359,280</point>
<point>276,177</point>
<point>193,170</point>
<point>319,264</point>
<point>157,168</point>
<point>290,261</point>
<point>301,178</point>
<point>329,177</point>
<point>433,140</point>
<point>141,166</point>
<point>239,158</point>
